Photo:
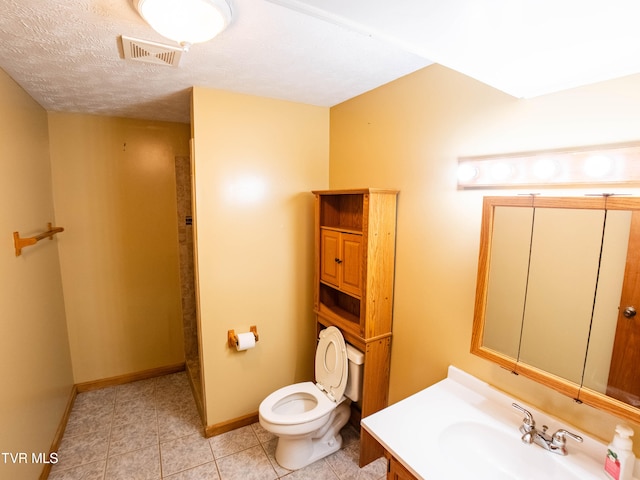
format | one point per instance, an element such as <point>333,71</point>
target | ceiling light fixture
<point>597,165</point>
<point>186,21</point>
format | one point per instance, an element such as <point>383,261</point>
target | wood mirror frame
<point>577,391</point>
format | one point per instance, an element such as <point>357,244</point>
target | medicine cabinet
<point>558,285</point>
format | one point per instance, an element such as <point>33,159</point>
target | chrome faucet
<point>528,427</point>
<point>556,443</point>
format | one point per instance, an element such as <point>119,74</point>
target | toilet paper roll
<point>245,341</point>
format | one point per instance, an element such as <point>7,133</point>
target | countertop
<point>416,432</point>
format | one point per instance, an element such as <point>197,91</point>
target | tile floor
<point>151,430</point>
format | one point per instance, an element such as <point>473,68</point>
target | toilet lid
<point>331,363</point>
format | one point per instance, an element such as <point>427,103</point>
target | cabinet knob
<point>338,260</point>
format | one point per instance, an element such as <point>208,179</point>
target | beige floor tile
<point>249,464</point>
<point>208,471</point>
<point>176,382</point>
<point>132,436</point>
<point>82,449</point>
<point>136,390</point>
<point>172,426</point>
<point>96,397</point>
<point>233,442</point>
<point>90,471</point>
<point>174,396</point>
<point>89,420</point>
<point>319,470</point>
<point>135,410</point>
<point>141,464</point>
<point>345,464</point>
<point>184,453</point>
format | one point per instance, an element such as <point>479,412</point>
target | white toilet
<point>307,417</point>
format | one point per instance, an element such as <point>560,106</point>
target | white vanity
<point>462,428</point>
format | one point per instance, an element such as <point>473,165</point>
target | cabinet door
<point>397,471</point>
<point>351,265</point>
<point>329,257</point>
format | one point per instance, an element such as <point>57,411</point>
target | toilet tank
<point>355,359</point>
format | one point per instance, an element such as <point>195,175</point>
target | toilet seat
<point>332,363</point>
<point>307,401</point>
<point>298,392</point>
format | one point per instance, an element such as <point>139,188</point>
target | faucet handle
<point>559,438</point>
<point>559,441</point>
<point>528,423</point>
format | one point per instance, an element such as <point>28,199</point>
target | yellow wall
<point>36,376</point>
<point>408,135</point>
<point>256,161</point>
<point>114,192</point>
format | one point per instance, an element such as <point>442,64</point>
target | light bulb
<point>597,166</point>
<point>466,172</point>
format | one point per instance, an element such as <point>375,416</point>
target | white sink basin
<point>479,451</point>
<point>463,429</point>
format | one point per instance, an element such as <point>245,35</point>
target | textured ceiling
<point>67,53</point>
<point>67,56</point>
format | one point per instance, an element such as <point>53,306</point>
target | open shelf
<point>349,330</point>
<point>344,212</point>
<point>339,304</point>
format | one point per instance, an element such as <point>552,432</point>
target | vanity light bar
<point>598,165</point>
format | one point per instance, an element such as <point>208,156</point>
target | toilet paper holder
<point>232,338</point>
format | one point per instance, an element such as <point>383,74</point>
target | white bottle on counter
<point>620,459</point>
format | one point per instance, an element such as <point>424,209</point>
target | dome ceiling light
<point>186,21</point>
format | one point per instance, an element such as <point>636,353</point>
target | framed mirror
<point>557,281</point>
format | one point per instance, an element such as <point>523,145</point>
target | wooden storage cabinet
<point>354,265</point>
<point>397,471</point>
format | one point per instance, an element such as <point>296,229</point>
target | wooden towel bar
<point>20,243</point>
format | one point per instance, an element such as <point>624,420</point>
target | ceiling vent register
<point>150,52</point>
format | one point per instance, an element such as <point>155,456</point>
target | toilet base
<point>297,452</point>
